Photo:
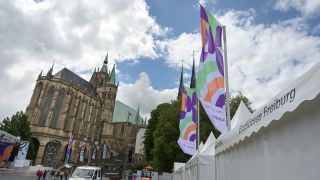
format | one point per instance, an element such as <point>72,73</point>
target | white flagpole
<point>198,137</point>
<point>226,76</point>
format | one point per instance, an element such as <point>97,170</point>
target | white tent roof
<point>177,165</point>
<point>241,114</point>
<point>211,139</point>
<point>305,88</point>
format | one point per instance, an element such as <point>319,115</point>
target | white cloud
<point>262,59</point>
<point>181,48</point>
<point>142,92</point>
<point>77,34</point>
<point>306,7</point>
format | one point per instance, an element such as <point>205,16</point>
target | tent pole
<point>226,77</point>
<point>198,137</point>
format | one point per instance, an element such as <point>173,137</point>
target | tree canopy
<point>161,147</point>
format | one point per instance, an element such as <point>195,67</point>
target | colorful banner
<point>83,147</point>
<point>95,150</point>
<point>23,149</point>
<point>5,150</point>
<point>104,151</point>
<point>188,121</point>
<point>68,152</point>
<point>210,79</point>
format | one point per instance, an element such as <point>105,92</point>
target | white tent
<point>278,141</point>
<point>204,161</point>
<point>190,171</point>
<point>179,170</point>
<point>241,114</point>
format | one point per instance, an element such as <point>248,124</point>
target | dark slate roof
<point>69,76</point>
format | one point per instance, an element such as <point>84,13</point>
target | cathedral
<point>64,105</point>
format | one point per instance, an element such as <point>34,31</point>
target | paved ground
<point>17,177</point>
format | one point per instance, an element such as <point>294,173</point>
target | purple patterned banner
<point>188,121</point>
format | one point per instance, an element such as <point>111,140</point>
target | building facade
<point>64,105</point>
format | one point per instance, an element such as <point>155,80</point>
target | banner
<point>210,79</point>
<point>5,150</point>
<point>68,152</point>
<point>23,150</point>
<point>188,121</point>
<point>83,147</point>
<point>95,150</point>
<point>104,151</point>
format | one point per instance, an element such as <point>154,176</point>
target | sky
<point>270,43</point>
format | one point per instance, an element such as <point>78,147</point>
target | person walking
<point>44,174</point>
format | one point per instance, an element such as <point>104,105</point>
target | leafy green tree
<point>163,132</point>
<point>152,123</point>
<point>235,102</point>
<point>18,125</point>
<point>166,149</point>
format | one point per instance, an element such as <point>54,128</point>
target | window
<point>46,107</point>
<point>57,108</point>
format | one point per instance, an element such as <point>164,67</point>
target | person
<point>52,174</point>
<point>66,175</point>
<point>39,174</point>
<point>44,174</point>
<point>61,175</point>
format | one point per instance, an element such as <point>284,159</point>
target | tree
<point>152,123</point>
<point>18,125</point>
<point>166,149</point>
<point>235,102</point>
<point>163,132</point>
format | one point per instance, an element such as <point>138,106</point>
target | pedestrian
<point>61,175</point>
<point>52,174</point>
<point>39,174</point>
<point>44,174</point>
<point>66,175</point>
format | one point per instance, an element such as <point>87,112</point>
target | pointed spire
<point>137,119</point>
<point>106,59</point>
<point>40,75</point>
<point>193,75</point>
<point>112,79</point>
<point>105,65</point>
<point>181,80</point>
<point>49,73</point>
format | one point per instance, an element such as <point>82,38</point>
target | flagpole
<point>198,137</point>
<point>198,130</point>
<point>226,77</point>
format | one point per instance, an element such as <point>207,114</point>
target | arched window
<point>36,94</point>
<point>57,108</point>
<point>46,107</point>
<point>70,112</point>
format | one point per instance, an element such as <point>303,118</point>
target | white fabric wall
<point>287,149</point>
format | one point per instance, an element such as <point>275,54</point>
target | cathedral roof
<point>69,76</point>
<point>123,111</point>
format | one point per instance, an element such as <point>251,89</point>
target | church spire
<point>105,65</point>
<point>181,80</point>
<point>193,75</point>
<point>49,73</point>
<point>138,115</point>
<point>112,79</point>
<point>40,75</point>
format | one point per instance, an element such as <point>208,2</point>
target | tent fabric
<point>203,161</point>
<point>241,114</point>
<point>305,88</point>
<point>179,172</point>
<point>286,149</point>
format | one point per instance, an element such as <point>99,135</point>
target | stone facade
<point>64,104</point>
